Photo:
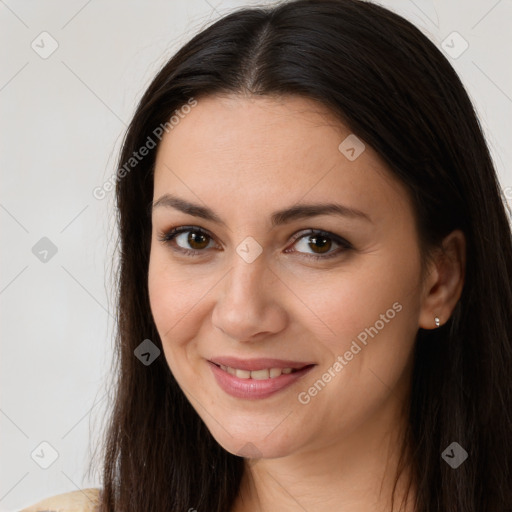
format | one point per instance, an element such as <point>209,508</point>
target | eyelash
<point>168,237</point>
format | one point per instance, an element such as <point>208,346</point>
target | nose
<point>248,305</point>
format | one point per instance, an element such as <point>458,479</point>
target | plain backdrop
<point>62,116</point>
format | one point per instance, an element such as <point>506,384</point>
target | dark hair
<point>396,91</point>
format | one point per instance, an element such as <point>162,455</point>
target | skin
<point>244,158</point>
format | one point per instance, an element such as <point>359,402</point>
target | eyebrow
<point>279,217</point>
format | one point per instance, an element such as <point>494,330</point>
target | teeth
<point>275,372</point>
<point>267,373</point>
<point>260,374</point>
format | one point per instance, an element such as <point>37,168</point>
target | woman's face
<point>259,293</point>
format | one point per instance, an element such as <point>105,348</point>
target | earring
<point>437,321</point>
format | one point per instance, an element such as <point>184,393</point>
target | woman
<point>315,283</point>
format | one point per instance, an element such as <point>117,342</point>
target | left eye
<point>320,242</point>
<point>323,241</point>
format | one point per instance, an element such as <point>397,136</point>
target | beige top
<point>85,500</point>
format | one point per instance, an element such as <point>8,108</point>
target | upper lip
<point>257,364</point>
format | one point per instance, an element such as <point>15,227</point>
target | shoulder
<point>85,500</point>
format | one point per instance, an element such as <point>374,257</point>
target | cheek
<point>350,302</point>
<point>172,291</point>
<point>371,313</point>
<point>372,320</point>
<point>163,292</point>
<point>172,299</point>
<point>180,308</point>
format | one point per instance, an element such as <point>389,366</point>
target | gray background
<point>62,120</point>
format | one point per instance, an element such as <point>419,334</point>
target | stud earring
<point>437,321</point>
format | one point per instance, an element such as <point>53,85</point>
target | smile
<point>268,373</point>
<point>254,380</point>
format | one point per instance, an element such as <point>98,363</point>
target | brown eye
<point>197,240</point>
<point>322,243</point>
<point>187,239</point>
<point>318,244</point>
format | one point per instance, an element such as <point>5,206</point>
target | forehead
<point>260,130</point>
<point>263,150</point>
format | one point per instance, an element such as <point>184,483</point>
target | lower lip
<point>253,388</point>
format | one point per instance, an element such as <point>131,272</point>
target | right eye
<point>178,238</point>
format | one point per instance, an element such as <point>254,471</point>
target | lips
<point>256,378</point>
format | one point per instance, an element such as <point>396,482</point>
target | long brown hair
<point>396,91</point>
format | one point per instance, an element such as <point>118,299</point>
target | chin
<point>251,440</point>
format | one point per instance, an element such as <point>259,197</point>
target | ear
<point>443,284</point>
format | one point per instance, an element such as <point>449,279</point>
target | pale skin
<point>245,158</point>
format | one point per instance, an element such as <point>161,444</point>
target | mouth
<point>256,378</point>
<point>264,373</point>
